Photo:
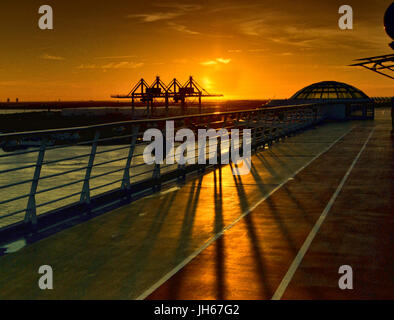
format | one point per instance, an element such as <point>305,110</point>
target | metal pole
<point>85,194</point>
<point>183,103</point>
<point>147,106</point>
<point>31,212</point>
<point>157,170</point>
<point>126,174</point>
<point>156,177</point>
<point>132,104</point>
<point>199,102</point>
<point>166,102</point>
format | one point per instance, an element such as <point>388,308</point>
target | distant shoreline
<point>55,115</point>
<point>58,105</point>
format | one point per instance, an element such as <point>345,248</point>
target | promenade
<point>318,200</point>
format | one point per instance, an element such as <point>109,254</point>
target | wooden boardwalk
<point>219,236</point>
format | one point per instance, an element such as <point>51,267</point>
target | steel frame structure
<point>382,65</point>
<point>158,90</point>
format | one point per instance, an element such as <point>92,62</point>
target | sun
<point>207,83</point>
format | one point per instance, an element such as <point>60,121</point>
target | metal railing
<point>43,172</point>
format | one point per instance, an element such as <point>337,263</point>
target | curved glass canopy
<point>329,90</point>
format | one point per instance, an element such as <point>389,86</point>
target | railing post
<point>302,118</point>
<point>31,212</point>
<point>157,169</point>
<point>85,194</point>
<point>156,177</point>
<point>364,110</point>
<point>261,128</point>
<point>219,152</point>
<point>181,170</point>
<point>316,113</point>
<point>297,120</point>
<point>126,174</point>
<point>255,127</point>
<point>132,105</point>
<point>225,121</point>
<point>272,127</point>
<point>287,123</point>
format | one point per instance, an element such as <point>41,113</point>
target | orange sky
<point>243,49</point>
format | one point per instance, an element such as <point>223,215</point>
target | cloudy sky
<point>243,49</point>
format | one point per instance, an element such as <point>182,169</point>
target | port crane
<point>146,93</point>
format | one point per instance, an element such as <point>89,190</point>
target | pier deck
<point>220,236</point>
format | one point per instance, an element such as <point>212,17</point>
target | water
<point>50,169</point>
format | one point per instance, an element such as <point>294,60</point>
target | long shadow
<point>275,214</point>
<point>138,260</point>
<point>291,196</point>
<point>274,173</point>
<point>282,226</point>
<point>266,164</point>
<point>184,236</point>
<point>188,220</point>
<point>259,181</point>
<point>173,286</point>
<point>269,167</point>
<point>261,270</point>
<point>285,152</point>
<point>218,226</point>
<point>220,246</point>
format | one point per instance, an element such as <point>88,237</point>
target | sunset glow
<point>247,50</point>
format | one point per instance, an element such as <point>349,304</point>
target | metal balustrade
<point>107,160</point>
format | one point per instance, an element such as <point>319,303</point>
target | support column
<point>126,173</point>
<point>166,103</point>
<point>31,214</point>
<point>183,104</point>
<point>199,102</point>
<point>147,106</point>
<point>85,194</point>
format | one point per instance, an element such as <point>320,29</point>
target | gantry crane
<point>158,90</point>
